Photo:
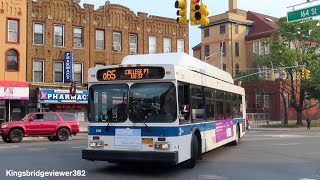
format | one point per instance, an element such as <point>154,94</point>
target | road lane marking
<point>37,149</point>
<point>313,153</point>
<point>285,144</point>
<point>8,147</point>
<point>78,147</point>
<point>211,177</point>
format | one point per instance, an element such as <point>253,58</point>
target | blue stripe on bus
<point>156,131</point>
<point>237,120</point>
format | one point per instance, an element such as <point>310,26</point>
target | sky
<point>165,8</point>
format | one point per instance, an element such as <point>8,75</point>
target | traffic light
<point>182,5</point>
<point>195,15</point>
<point>302,73</point>
<point>271,75</point>
<point>204,20</point>
<point>306,74</point>
<point>73,89</point>
<point>198,13</point>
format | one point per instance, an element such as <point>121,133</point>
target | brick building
<point>240,34</point>
<point>223,40</point>
<point>13,86</point>
<point>93,37</point>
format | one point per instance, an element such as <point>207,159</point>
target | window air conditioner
<point>132,50</point>
<point>116,48</point>
<point>78,45</point>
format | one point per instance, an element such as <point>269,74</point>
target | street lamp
<point>221,59</point>
<point>206,57</point>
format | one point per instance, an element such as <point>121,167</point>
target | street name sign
<point>305,13</point>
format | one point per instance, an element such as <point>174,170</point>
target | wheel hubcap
<point>63,135</point>
<point>16,136</point>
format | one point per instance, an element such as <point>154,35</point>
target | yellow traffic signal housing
<point>182,5</point>
<point>195,15</point>
<point>271,75</point>
<point>306,74</point>
<point>302,72</point>
<point>198,13</point>
<point>204,20</point>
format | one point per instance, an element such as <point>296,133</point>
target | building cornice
<point>226,20</point>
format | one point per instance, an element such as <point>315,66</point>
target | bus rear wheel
<point>190,163</point>
<point>236,142</point>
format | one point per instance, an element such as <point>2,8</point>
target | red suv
<point>54,125</point>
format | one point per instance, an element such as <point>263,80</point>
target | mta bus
<point>161,108</point>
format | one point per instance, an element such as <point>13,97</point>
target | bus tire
<point>190,163</point>
<point>236,142</point>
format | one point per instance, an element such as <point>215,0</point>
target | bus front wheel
<point>190,163</point>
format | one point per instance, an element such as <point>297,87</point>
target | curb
<point>266,129</point>
<point>80,136</point>
<point>282,129</point>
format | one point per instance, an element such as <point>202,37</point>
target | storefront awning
<point>14,90</point>
<point>13,84</point>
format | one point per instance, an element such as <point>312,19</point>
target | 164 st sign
<point>68,66</point>
<point>304,13</point>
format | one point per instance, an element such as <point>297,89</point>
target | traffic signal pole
<point>289,67</point>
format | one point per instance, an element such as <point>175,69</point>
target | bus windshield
<point>108,103</point>
<point>148,103</point>
<point>153,102</point>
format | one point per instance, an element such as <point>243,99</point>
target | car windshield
<point>108,103</point>
<point>26,117</point>
<point>153,102</point>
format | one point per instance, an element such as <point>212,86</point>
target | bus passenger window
<point>220,105</point>
<point>197,103</point>
<point>236,106</point>
<point>184,105</point>
<point>209,104</point>
<point>220,114</point>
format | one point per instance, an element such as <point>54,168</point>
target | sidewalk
<point>284,129</point>
<point>79,136</point>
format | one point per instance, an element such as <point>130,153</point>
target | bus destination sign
<point>130,73</point>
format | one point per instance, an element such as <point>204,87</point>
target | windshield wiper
<point>141,120</point>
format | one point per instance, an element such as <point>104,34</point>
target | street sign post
<point>305,13</point>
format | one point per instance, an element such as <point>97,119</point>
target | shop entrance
<point>2,114</point>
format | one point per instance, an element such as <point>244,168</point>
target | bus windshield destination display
<point>130,73</point>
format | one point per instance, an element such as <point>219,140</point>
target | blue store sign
<point>62,96</point>
<point>68,65</point>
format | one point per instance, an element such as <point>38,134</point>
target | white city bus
<point>164,108</point>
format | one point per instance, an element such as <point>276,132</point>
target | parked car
<point>54,125</point>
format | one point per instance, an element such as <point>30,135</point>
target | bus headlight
<point>96,144</point>
<point>162,145</point>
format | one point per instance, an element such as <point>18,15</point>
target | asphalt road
<point>262,155</point>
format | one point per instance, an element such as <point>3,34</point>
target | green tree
<point>292,44</point>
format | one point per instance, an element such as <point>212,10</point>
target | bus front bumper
<point>130,156</point>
